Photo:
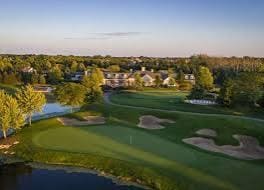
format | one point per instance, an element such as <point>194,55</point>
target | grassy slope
<point>161,151</point>
<point>170,100</point>
<point>157,157</point>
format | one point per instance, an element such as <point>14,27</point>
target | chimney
<point>143,69</point>
<point>85,73</point>
<point>131,70</point>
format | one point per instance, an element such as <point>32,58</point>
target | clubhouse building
<point>126,79</point>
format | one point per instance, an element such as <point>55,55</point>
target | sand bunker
<point>152,122</point>
<point>248,149</point>
<point>207,132</point>
<point>89,120</point>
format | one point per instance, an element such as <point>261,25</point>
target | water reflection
<point>23,177</point>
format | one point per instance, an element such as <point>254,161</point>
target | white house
<point>28,70</point>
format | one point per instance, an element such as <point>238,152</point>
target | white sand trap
<point>152,122</point>
<point>207,132</point>
<point>248,149</point>
<point>89,120</point>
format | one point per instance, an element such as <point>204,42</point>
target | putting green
<point>143,148</point>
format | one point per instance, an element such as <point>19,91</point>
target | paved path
<point>108,101</point>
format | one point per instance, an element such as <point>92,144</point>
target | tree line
<point>54,69</point>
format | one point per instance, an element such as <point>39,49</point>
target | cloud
<point>89,38</point>
<point>119,34</point>
<point>105,35</point>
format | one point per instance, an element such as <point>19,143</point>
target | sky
<point>160,28</point>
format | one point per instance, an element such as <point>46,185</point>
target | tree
<point>30,101</point>
<point>4,113</point>
<point>70,94</point>
<point>197,93</point>
<point>226,93</point>
<point>185,86</point>
<point>138,84</point>
<point>92,83</point>
<point>98,74</point>
<point>114,68</point>
<point>172,81</point>
<point>158,81</point>
<point>204,78</point>
<point>11,115</point>
<point>42,79</point>
<point>180,76</point>
<point>248,88</point>
<point>10,78</point>
<point>55,76</point>
<point>34,78</point>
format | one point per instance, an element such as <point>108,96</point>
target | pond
<point>51,110</point>
<point>25,177</point>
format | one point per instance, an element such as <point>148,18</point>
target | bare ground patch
<point>89,120</point>
<point>207,132</point>
<point>152,122</point>
<point>248,149</point>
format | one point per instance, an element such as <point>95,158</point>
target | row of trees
<point>245,88</point>
<point>57,68</point>
<point>15,109</point>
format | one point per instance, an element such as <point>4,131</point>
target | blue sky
<point>133,27</point>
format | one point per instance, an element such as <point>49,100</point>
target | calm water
<point>50,108</point>
<point>23,177</point>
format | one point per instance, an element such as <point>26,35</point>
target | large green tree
<point>92,83</point>
<point>158,81</point>
<point>138,84</point>
<point>30,101</point>
<point>70,94</point>
<point>246,89</point>
<point>226,93</point>
<point>11,115</point>
<point>114,68</point>
<point>204,78</point>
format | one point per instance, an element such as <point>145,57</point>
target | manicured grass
<point>174,100</point>
<point>161,100</point>
<point>158,158</point>
<point>160,152</point>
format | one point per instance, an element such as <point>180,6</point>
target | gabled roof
<point>151,74</point>
<point>117,75</point>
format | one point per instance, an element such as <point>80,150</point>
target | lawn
<point>174,100</point>
<point>161,151</point>
<point>158,158</point>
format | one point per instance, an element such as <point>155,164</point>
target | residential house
<point>115,79</point>
<point>28,70</point>
<point>189,78</point>
<point>148,77</point>
<point>78,76</point>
